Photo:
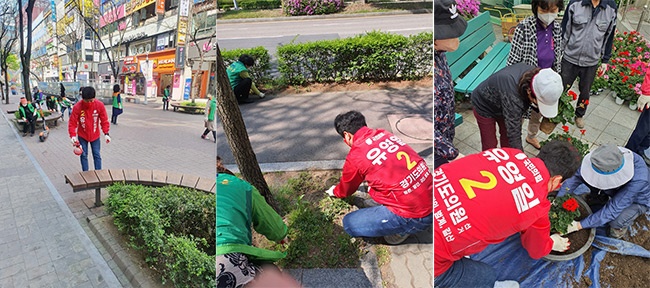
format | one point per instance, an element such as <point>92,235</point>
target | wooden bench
<point>51,120</point>
<point>97,179</point>
<point>479,38</point>
<point>188,109</point>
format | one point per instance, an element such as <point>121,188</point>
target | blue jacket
<point>637,190</point>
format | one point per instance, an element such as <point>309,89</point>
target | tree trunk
<point>26,53</point>
<point>236,135</point>
<point>7,84</point>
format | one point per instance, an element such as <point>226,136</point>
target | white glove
<point>573,227</point>
<point>262,95</point>
<point>330,191</point>
<point>560,243</point>
<point>74,140</point>
<point>643,102</point>
<point>108,139</point>
<point>603,68</point>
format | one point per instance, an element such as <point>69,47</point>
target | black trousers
<point>640,138</point>
<point>243,90</point>
<point>31,126</point>
<point>166,104</point>
<point>587,75</point>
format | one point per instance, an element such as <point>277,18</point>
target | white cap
<point>547,86</point>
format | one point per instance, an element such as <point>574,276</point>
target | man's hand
<point>330,191</point>
<point>108,138</point>
<point>74,140</point>
<point>643,102</point>
<point>573,227</point>
<point>560,244</point>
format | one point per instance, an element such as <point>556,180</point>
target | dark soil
<point>578,238</point>
<point>628,271</point>
<point>426,82</point>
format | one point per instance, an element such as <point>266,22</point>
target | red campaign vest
<point>483,199</point>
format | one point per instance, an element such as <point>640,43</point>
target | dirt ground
<point>426,82</point>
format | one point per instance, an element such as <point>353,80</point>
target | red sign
<point>160,6</point>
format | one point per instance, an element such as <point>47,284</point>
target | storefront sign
<point>130,60</point>
<point>180,57</point>
<point>177,79</point>
<point>135,5</point>
<point>184,8</point>
<point>164,65</point>
<point>161,41</point>
<point>181,31</point>
<point>160,7</point>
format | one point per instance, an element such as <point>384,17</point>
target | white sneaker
<point>396,238</point>
<point>506,284</point>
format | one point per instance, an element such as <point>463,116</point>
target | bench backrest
<point>478,37</point>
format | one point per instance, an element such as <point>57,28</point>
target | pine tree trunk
<point>237,136</point>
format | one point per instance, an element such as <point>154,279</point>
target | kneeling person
<point>398,179</point>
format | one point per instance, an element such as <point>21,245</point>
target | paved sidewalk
<point>41,242</point>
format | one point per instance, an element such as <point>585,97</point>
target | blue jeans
<point>640,138</point>
<point>379,221</point>
<point>97,158</point>
<point>467,273</point>
<point>627,217</point>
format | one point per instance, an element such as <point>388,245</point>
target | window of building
<point>89,56</point>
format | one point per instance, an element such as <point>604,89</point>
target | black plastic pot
<point>577,253</point>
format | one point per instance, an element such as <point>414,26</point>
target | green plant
<point>311,7</point>
<point>630,53</point>
<point>193,104</point>
<point>261,71</point>
<point>565,111</point>
<point>582,147</point>
<point>563,211</point>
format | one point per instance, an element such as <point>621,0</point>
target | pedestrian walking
<point>504,97</point>
<point>210,119</point>
<point>538,42</point>
<point>240,80</point>
<point>398,180</point>
<point>588,28</point>
<point>448,27</point>
<point>469,219</point>
<point>117,104</point>
<point>166,94</point>
<point>88,117</point>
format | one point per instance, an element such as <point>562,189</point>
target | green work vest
<point>30,107</point>
<point>213,109</point>
<point>233,73</point>
<point>240,205</point>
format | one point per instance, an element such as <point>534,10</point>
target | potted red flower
<point>563,211</point>
<point>565,112</point>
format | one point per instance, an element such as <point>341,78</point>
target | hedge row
<point>312,7</point>
<point>251,4</point>
<point>262,68</point>
<point>374,56</point>
<point>174,226</point>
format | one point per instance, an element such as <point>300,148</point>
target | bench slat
<point>159,178</point>
<point>145,176</point>
<point>76,181</point>
<point>104,177</point>
<point>91,178</point>
<point>497,63</point>
<point>117,175</point>
<point>476,49</point>
<point>131,176</point>
<point>204,184</point>
<point>189,181</point>
<point>472,38</point>
<point>479,71</point>
<point>174,178</point>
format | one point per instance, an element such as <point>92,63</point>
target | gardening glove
<point>560,244</point>
<point>603,69</point>
<point>284,241</point>
<point>74,140</point>
<point>108,138</point>
<point>330,191</point>
<point>262,95</point>
<point>643,102</point>
<point>573,227</point>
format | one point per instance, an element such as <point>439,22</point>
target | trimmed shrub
<point>262,68</point>
<point>251,4</point>
<point>374,56</point>
<point>311,7</point>
<point>174,226</point>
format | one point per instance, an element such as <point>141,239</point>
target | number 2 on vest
<point>468,185</point>
<point>409,164</point>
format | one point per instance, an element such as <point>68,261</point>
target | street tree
<point>8,38</point>
<point>70,34</point>
<point>201,28</point>
<point>237,136</point>
<point>25,19</point>
<point>92,18</point>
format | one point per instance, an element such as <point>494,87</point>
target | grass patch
<point>244,14</point>
<point>354,8</point>
<point>317,237</point>
<point>383,255</point>
<point>193,104</point>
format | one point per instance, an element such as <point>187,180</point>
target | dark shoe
<point>396,238</point>
<point>24,134</point>
<point>31,135</point>
<point>203,137</point>
<point>617,233</point>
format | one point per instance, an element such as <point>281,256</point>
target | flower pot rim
<point>583,249</point>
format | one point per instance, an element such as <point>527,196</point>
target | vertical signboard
<point>188,88</point>
<point>180,57</point>
<point>160,7</point>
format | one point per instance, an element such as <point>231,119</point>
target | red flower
<point>624,33</point>
<point>625,78</point>
<point>568,139</point>
<point>573,95</point>
<point>630,86</point>
<point>565,128</point>
<point>570,205</point>
<point>587,102</point>
<point>582,131</point>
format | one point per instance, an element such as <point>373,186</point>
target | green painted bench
<point>479,38</point>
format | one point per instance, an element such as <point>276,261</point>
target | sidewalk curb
<point>251,20</point>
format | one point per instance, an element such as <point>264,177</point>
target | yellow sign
<point>135,5</point>
<point>182,31</point>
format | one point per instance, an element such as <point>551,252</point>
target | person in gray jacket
<point>588,27</point>
<point>505,96</point>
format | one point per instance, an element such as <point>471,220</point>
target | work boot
<point>506,284</point>
<point>533,141</point>
<point>617,233</point>
<point>396,238</point>
<point>580,123</point>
